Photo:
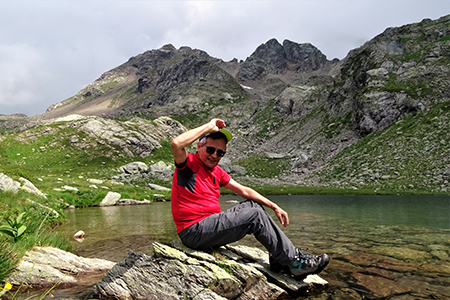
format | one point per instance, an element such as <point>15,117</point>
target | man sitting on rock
<point>196,210</point>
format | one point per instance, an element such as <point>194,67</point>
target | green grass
<point>393,159</point>
<point>8,260</point>
<point>261,166</point>
<point>39,222</point>
<point>332,127</point>
<point>51,161</point>
<point>266,119</point>
<point>413,90</point>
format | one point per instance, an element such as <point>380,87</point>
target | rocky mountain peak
<point>274,58</point>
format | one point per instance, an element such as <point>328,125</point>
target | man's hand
<point>218,124</point>
<point>282,216</point>
<point>248,193</point>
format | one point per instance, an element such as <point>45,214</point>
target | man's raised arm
<point>185,139</point>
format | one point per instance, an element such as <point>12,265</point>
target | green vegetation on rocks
<point>412,155</point>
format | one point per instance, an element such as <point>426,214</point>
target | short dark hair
<point>214,135</point>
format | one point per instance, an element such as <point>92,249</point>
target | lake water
<point>382,247</point>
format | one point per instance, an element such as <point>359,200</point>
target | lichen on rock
<point>177,272</point>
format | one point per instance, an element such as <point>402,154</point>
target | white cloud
<point>49,50</point>
<point>19,66</point>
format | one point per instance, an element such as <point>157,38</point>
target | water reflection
<point>387,247</point>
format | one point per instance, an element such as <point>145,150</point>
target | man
<point>196,210</point>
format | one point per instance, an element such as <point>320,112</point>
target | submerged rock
<point>177,272</point>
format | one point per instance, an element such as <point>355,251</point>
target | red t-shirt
<point>195,191</point>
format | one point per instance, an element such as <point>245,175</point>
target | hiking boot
<point>306,264</point>
<point>276,266</point>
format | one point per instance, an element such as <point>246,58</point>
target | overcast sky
<point>49,50</point>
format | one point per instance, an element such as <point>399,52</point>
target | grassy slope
<point>410,156</point>
<point>50,161</point>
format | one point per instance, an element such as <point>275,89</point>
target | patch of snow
<point>246,87</point>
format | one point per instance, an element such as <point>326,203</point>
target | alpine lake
<point>381,247</point>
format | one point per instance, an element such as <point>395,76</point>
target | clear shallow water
<point>382,247</point>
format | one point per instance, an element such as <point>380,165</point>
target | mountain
<point>376,119</point>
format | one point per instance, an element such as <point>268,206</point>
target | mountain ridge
<point>287,99</point>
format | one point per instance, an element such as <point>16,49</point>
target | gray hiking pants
<point>233,224</point>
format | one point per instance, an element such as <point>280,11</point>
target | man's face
<point>211,160</point>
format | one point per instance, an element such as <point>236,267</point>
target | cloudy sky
<point>49,50</point>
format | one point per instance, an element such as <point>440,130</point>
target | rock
<point>133,202</point>
<point>238,170</point>
<point>158,197</point>
<point>163,128</point>
<point>110,199</point>
<point>48,266</point>
<point>134,168</point>
<point>161,171</point>
<point>177,272</point>
<point>96,181</point>
<point>29,187</point>
<point>274,155</point>
<point>160,167</point>
<point>7,184</point>
<point>381,287</point>
<point>225,163</point>
<point>79,234</point>
<point>157,187</point>
<point>402,253</point>
<point>69,188</point>
<point>108,132</point>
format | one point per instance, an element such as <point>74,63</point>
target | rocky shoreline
<point>173,272</point>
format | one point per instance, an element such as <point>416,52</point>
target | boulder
<point>47,266</point>
<point>225,163</point>
<point>134,168</point>
<point>31,188</point>
<point>8,184</point>
<point>80,234</point>
<point>158,197</point>
<point>177,272</point>
<point>275,155</point>
<point>161,171</point>
<point>133,202</point>
<point>120,135</point>
<point>160,167</point>
<point>69,188</point>
<point>96,181</point>
<point>238,170</point>
<point>110,199</point>
<point>157,187</point>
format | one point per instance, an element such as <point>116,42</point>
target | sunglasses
<point>211,150</point>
